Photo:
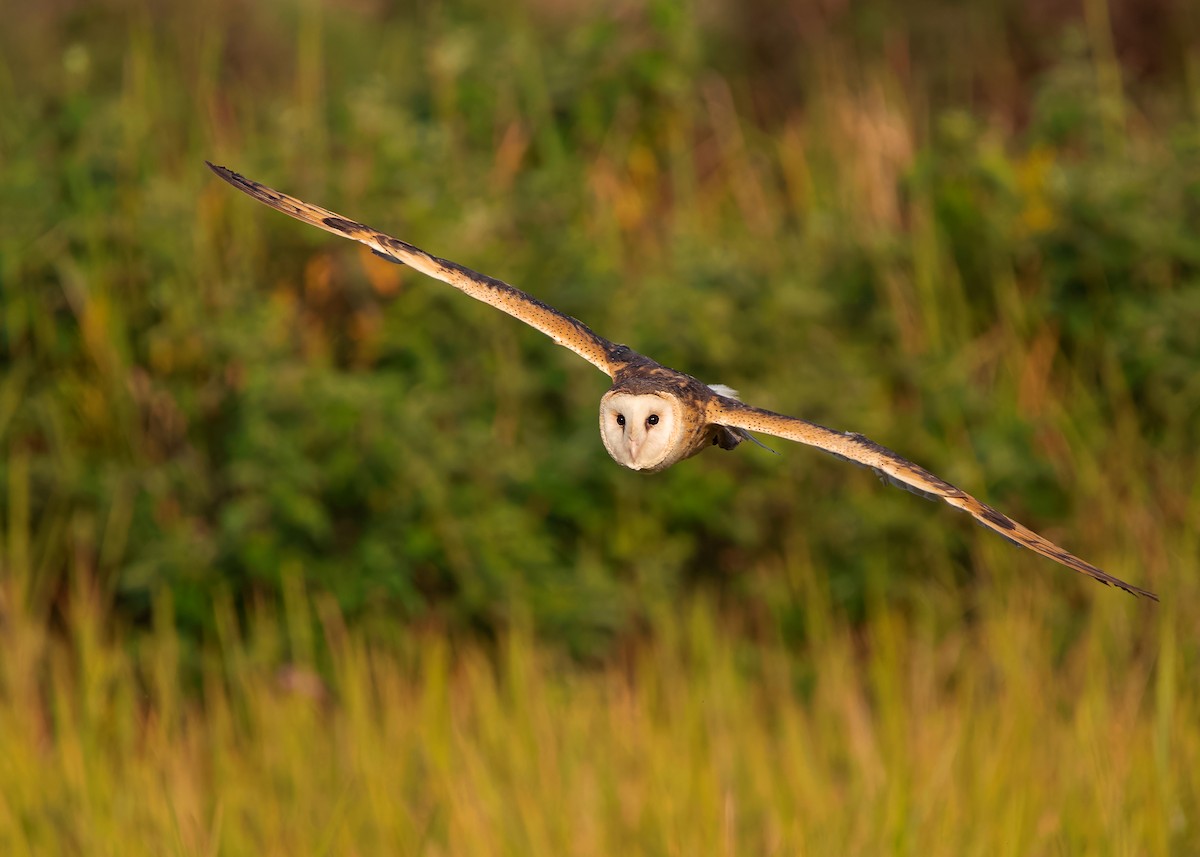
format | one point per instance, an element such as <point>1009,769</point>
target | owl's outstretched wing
<point>566,331</point>
<point>899,471</point>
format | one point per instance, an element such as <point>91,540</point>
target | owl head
<point>644,431</point>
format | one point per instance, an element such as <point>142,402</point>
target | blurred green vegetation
<point>862,230</point>
<point>978,248</point>
<point>300,550</point>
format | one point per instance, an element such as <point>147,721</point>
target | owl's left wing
<point>566,331</point>
<point>902,472</point>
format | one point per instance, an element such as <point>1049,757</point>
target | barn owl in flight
<point>653,416</point>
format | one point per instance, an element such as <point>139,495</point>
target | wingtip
<point>1147,594</point>
<point>236,179</point>
<point>1135,591</point>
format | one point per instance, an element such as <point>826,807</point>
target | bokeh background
<point>305,553</point>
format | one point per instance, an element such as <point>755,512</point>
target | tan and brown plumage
<point>654,416</point>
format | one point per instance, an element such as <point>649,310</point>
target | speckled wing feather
<point>899,471</point>
<point>566,331</point>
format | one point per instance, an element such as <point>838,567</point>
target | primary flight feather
<point>654,416</point>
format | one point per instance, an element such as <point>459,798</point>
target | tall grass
<point>895,738</point>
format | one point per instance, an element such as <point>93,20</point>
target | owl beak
<point>635,439</point>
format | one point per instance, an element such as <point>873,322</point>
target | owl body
<point>654,416</point>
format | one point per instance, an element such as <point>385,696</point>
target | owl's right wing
<point>900,471</point>
<point>566,331</point>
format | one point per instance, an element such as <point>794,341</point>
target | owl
<point>654,416</point>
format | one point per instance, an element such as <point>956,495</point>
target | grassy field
<point>892,738</point>
<point>303,553</point>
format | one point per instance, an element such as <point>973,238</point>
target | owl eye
<point>652,420</point>
<point>620,419</point>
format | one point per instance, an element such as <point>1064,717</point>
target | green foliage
<point>206,397</point>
